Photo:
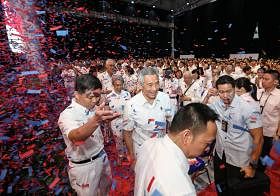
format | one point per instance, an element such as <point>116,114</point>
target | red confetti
<point>56,28</point>
<point>54,183</point>
<point>26,154</point>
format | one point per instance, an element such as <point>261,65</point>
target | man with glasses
<point>239,138</point>
<point>146,114</point>
<point>89,170</point>
<point>269,99</point>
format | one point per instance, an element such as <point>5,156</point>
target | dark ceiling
<point>177,6</point>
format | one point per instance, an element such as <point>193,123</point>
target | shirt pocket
<point>237,124</point>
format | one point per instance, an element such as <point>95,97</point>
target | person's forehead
<point>93,91</point>
<point>267,75</point>
<point>110,63</point>
<point>117,82</point>
<point>224,86</point>
<point>151,78</point>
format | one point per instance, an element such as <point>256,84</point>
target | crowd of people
<point>155,110</point>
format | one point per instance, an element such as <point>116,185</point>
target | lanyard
<point>188,88</point>
<point>262,107</point>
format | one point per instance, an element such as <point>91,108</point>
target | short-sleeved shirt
<point>234,124</point>
<point>271,111</point>
<point>193,91</point>
<point>117,103</point>
<point>162,169</point>
<point>74,116</point>
<point>147,120</point>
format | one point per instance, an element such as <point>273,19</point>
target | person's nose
<point>226,95</point>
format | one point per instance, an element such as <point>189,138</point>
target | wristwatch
<point>254,164</point>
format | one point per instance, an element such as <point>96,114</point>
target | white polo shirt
<point>147,120</point>
<point>117,103</point>
<point>194,91</point>
<point>74,116</point>
<point>162,169</point>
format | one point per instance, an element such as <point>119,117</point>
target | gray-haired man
<point>147,113</point>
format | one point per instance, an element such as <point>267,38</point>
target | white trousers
<point>91,179</point>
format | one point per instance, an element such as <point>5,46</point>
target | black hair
<point>193,116</point>
<point>92,70</point>
<point>167,73</point>
<point>246,68</point>
<point>130,70</point>
<point>261,69</point>
<point>248,86</point>
<point>86,82</point>
<point>225,79</point>
<point>195,71</point>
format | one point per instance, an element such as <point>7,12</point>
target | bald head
<point>187,77</point>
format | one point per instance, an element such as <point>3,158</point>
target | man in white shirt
<point>146,114</point>
<point>162,165</point>
<point>89,170</point>
<point>171,86</point>
<point>106,77</point>
<point>239,137</point>
<point>117,99</point>
<point>191,89</point>
<point>229,70</point>
<point>269,99</point>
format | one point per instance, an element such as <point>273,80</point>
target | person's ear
<point>187,136</point>
<point>76,95</point>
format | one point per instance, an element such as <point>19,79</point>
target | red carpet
<point>123,176</point>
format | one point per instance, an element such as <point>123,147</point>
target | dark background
<point>203,31</point>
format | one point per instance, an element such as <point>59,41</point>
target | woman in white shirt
<point>247,90</point>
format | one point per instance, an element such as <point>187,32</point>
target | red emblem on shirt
<point>150,184</point>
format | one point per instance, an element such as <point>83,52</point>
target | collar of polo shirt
<point>144,100</point>
<point>80,107</point>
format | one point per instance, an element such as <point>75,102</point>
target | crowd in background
<point>184,80</point>
<point>224,84</point>
<point>170,70</point>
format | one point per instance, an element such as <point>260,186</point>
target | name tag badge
<point>224,126</point>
